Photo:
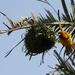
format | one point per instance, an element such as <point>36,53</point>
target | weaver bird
<point>66,39</point>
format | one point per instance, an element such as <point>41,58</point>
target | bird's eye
<point>59,34</point>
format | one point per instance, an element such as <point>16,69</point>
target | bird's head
<point>64,34</point>
<point>60,33</point>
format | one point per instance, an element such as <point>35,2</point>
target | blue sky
<point>16,63</point>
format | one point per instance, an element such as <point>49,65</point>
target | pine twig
<point>71,28</point>
<point>13,29</point>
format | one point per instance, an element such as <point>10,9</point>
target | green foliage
<point>65,22</point>
<point>65,67</point>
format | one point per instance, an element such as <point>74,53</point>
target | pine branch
<point>13,29</point>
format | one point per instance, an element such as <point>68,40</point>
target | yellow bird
<point>66,39</point>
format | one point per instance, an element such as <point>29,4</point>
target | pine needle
<point>13,48</point>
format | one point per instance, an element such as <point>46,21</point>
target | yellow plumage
<point>66,39</point>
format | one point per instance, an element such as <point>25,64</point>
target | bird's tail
<point>70,48</point>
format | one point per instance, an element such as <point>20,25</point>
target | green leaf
<point>60,59</point>
<point>35,18</point>
<point>50,15</point>
<point>65,10</point>
<point>73,8</point>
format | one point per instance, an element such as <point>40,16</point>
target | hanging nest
<point>39,39</point>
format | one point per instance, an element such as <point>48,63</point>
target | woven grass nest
<point>38,39</point>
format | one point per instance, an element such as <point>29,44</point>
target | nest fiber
<point>39,39</point>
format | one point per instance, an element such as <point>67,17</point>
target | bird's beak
<point>59,34</point>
